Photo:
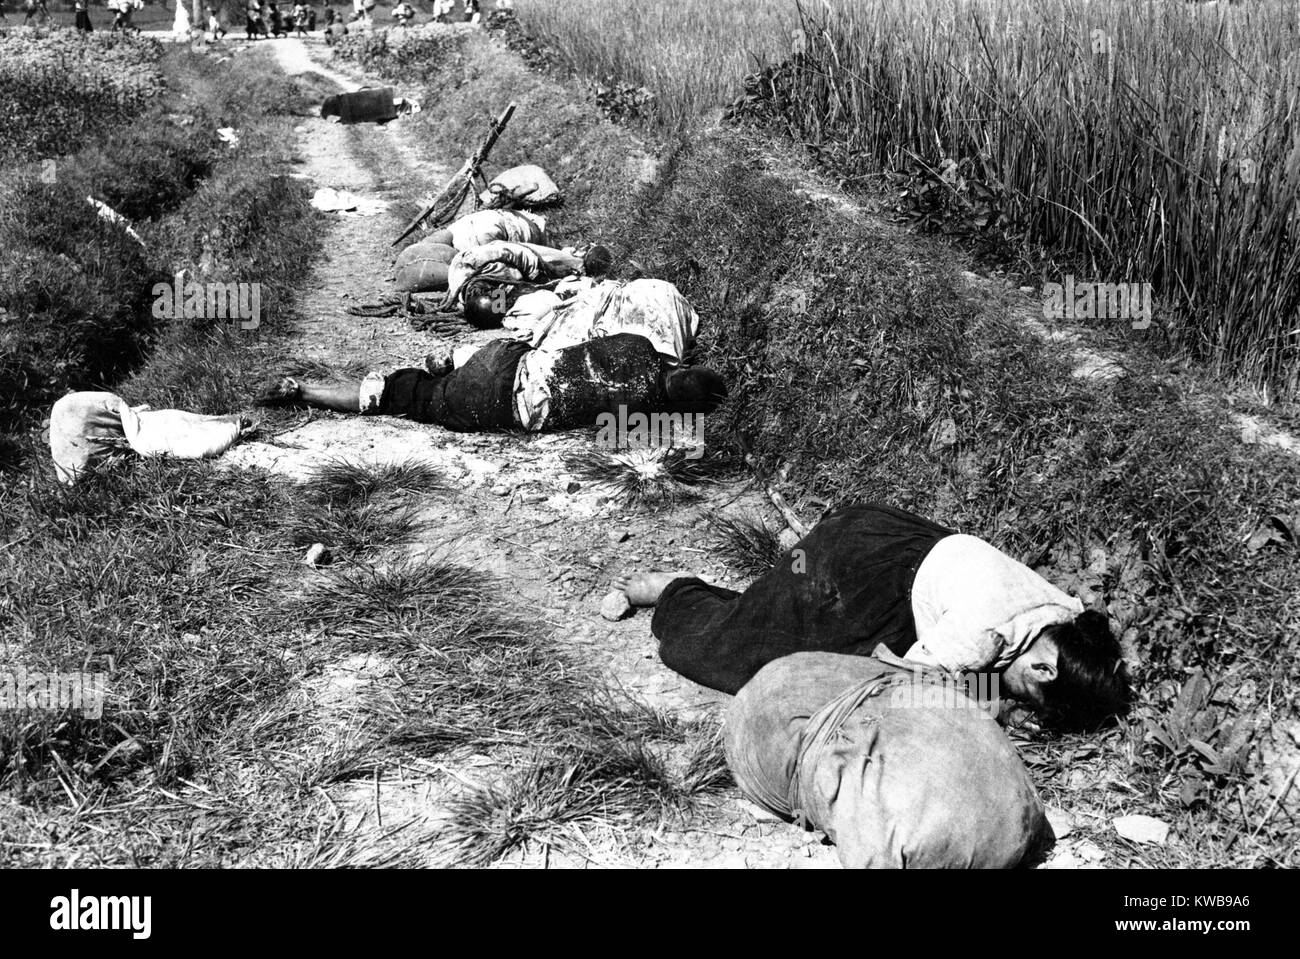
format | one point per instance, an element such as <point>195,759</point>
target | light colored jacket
<point>977,608</point>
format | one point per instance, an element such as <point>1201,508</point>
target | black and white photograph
<point>642,435</point>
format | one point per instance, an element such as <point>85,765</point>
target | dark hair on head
<point>501,294</point>
<point>695,388</point>
<point>597,261</point>
<point>1091,684</point>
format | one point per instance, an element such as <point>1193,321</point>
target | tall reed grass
<point>1128,141</point>
<point>1138,142</point>
<point>691,56</point>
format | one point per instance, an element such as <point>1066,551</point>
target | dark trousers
<point>844,588</point>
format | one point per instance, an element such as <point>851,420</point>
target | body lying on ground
<point>506,385</point>
<point>485,226</point>
<point>86,427</point>
<point>898,767</point>
<point>367,105</point>
<point>583,309</point>
<point>871,574</point>
<point>503,261</point>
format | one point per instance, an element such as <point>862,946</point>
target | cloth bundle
<point>86,426</point>
<point>525,185</point>
<point>895,776</point>
<point>422,267</point>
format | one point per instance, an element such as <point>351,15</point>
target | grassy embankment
<point>149,572</point>
<point>221,741</point>
<point>859,356</point>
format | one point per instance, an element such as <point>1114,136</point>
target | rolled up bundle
<point>422,267</point>
<point>526,186</point>
<point>895,775</point>
<point>87,426</point>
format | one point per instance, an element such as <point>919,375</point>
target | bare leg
<point>342,397</point>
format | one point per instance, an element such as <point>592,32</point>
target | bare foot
<point>283,390</point>
<point>644,589</point>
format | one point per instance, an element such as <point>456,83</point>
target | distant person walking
<point>37,9</point>
<point>82,8</point>
<point>472,10</point>
<point>181,24</point>
<point>256,27</point>
<point>300,19</point>
<point>274,21</point>
<point>124,10</point>
<point>214,26</point>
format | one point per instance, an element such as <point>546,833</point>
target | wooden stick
<point>465,175</point>
<point>791,518</point>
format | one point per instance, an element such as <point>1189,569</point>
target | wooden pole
<point>465,175</point>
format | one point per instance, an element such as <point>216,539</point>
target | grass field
<point>690,56</point>
<point>1120,142</point>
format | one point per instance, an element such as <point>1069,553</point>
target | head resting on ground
<point>1073,674</point>
<point>597,261</point>
<point>694,389</point>
<point>487,303</point>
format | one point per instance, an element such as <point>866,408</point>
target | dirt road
<point>513,514</point>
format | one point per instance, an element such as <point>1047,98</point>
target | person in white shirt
<point>870,576</point>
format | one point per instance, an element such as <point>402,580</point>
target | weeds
<point>749,544</point>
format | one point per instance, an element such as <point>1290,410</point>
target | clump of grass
<point>420,601</point>
<point>354,528</point>
<point>343,481</point>
<point>643,477</point>
<point>749,544</point>
<point>630,779</point>
<point>489,822</point>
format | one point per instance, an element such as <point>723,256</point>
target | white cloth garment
<point>977,608</point>
<point>530,310</point>
<point>650,308</point>
<point>514,226</point>
<point>86,426</point>
<point>498,260</point>
<point>533,390</point>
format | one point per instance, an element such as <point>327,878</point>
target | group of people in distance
<point>872,666</point>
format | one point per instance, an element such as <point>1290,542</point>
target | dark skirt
<point>844,588</point>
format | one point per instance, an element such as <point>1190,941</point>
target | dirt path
<point>513,513</point>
